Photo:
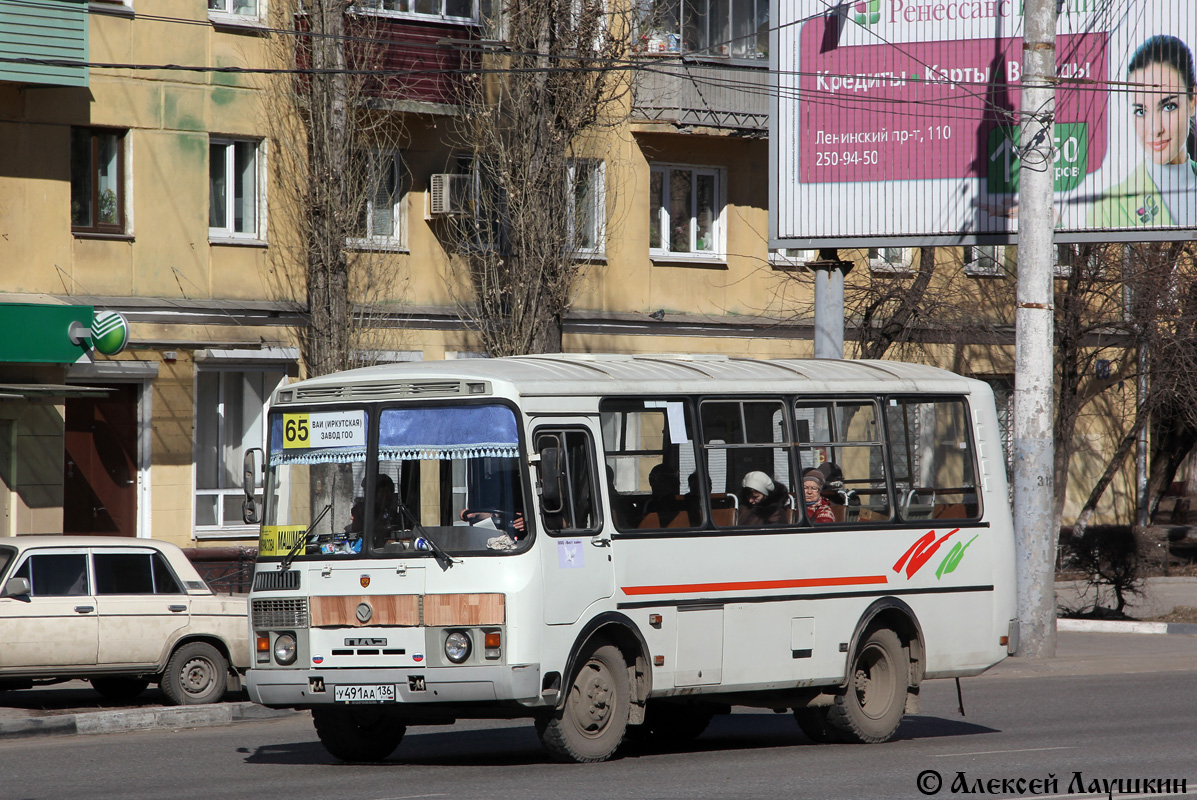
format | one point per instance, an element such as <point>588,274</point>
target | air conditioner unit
<point>447,194</point>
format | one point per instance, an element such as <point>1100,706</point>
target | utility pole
<point>1036,530</point>
<point>829,303</point>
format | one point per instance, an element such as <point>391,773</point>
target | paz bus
<point>572,539</point>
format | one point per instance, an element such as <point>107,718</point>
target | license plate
<point>375,693</point>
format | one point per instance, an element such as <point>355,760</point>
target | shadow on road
<point>519,745</point>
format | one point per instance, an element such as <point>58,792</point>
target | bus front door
<point>575,553</point>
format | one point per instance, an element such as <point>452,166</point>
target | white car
<point>119,612</point>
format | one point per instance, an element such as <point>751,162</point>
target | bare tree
<point>336,177</point>
<point>530,139</point>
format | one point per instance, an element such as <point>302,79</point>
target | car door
<point>141,605</point>
<point>56,624</point>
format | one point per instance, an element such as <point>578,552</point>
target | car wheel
<point>119,688</point>
<point>196,673</point>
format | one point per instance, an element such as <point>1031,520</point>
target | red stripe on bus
<point>739,586</point>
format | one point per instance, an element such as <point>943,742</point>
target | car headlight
<point>285,649</point>
<point>457,646</point>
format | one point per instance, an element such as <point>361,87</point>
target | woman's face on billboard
<point>1162,110</point>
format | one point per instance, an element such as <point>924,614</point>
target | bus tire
<point>196,673</point>
<point>590,723</point>
<point>870,708</point>
<point>814,723</point>
<point>357,734</point>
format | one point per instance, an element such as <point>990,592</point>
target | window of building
<point>685,212</point>
<point>464,11</point>
<point>97,180</point>
<point>233,181</point>
<point>737,29</point>
<point>241,9</point>
<point>985,260</point>
<point>791,258</point>
<point>898,260</point>
<point>381,217</point>
<point>588,211</point>
<point>229,413</point>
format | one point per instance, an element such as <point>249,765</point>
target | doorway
<point>100,464</point>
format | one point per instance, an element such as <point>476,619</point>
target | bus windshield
<point>446,477</point>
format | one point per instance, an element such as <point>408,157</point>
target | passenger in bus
<point>663,502</point>
<point>763,502</point>
<point>817,507</point>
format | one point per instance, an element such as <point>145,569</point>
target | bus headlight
<point>458,646</point>
<point>285,649</point>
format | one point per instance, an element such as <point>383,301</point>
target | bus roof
<point>597,374</point>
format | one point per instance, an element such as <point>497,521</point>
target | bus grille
<point>281,613</point>
<point>274,580</point>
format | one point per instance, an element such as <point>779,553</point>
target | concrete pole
<point>1035,528</point>
<point>829,303</point>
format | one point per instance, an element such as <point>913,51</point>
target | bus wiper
<point>424,541</point>
<point>303,540</point>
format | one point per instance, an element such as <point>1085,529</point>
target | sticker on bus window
<point>570,554</point>
<point>278,540</point>
<point>324,429</point>
<point>675,414</point>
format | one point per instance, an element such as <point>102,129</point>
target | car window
<point>134,573</point>
<point>55,574</point>
<point>123,573</point>
<point>165,581</point>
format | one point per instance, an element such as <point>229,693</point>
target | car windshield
<point>6,554</point>
<point>448,475</point>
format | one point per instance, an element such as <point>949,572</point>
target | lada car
<point>119,612</point>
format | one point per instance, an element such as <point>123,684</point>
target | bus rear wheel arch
<point>869,708</point>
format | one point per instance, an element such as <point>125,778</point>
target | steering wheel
<point>496,514</point>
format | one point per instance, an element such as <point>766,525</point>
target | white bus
<point>620,545</point>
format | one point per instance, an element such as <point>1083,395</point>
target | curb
<point>146,719</point>
<point>1115,626</point>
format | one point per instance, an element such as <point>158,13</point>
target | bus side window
<point>934,461</point>
<point>576,506</point>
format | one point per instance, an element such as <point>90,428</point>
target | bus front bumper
<point>303,688</point>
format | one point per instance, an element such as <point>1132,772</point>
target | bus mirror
<point>249,483</point>
<point>550,480</point>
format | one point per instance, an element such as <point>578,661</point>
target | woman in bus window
<point>817,507</point>
<point>763,502</point>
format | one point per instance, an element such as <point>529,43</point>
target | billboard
<point>895,122</point>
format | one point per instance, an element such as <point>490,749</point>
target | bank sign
<point>896,122</point>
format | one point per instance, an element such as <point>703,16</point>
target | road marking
<point>992,752</point>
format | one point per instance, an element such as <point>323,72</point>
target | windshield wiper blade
<point>424,541</point>
<point>287,559</point>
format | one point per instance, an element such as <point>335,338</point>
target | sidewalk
<point>75,708</point>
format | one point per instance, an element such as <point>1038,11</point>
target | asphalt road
<point>1018,725</point>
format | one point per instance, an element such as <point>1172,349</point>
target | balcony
<point>689,92</point>
<point>43,30</point>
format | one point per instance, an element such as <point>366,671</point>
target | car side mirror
<point>16,587</point>
<point>249,483</point>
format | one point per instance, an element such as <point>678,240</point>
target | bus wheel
<point>871,707</point>
<point>358,734</point>
<point>591,723</point>
<point>815,724</point>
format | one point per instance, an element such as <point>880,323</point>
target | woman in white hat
<point>764,502</point>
